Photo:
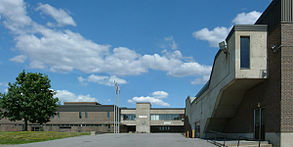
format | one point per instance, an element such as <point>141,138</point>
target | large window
<point>166,116</point>
<point>128,117</point>
<point>244,52</point>
<point>108,115</point>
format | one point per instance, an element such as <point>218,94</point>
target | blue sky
<point>159,51</point>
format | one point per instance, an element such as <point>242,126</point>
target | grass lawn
<point>28,136</point>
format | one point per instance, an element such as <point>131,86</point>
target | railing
<point>218,136</point>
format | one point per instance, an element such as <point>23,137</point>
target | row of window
<point>155,117</point>
<point>128,117</point>
<point>167,116</point>
<point>80,115</point>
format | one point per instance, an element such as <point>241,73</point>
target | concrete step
<point>244,143</point>
<point>262,145</point>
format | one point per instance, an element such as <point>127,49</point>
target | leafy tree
<point>1,95</point>
<point>29,99</point>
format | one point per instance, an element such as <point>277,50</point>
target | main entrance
<point>167,129</point>
<point>259,127</point>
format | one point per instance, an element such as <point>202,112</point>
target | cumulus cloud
<point>67,96</point>
<point>213,36</point>
<point>155,99</point>
<point>160,94</point>
<point>62,50</point>
<point>18,59</point>
<point>246,18</point>
<point>62,17</point>
<point>104,80</point>
<point>218,34</point>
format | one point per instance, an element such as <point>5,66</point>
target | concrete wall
<point>143,117</point>
<point>258,55</point>
<point>220,101</point>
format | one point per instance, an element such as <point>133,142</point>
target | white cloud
<point>104,80</point>
<point>155,99</point>
<point>62,17</point>
<point>152,100</point>
<point>160,94</point>
<point>18,59</point>
<point>13,14</point>
<point>218,34</point>
<point>67,96</point>
<point>62,50</point>
<point>213,36</point>
<point>246,18</point>
<point>201,80</point>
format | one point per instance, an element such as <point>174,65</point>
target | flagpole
<point>115,109</point>
<point>114,129</point>
<point>118,109</point>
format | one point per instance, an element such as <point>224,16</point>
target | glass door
<point>259,127</point>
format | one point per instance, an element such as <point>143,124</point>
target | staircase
<point>242,143</point>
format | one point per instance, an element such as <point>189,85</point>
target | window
<point>79,115</point>
<point>85,113</point>
<point>128,117</point>
<point>58,114</point>
<point>108,115</point>
<point>244,52</point>
<point>166,117</point>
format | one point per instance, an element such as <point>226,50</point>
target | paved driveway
<point>123,140</point>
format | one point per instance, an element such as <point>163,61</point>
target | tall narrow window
<point>85,113</point>
<point>108,115</point>
<point>58,114</point>
<point>80,115</point>
<point>244,52</point>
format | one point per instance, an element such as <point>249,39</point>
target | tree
<point>1,95</point>
<point>29,99</point>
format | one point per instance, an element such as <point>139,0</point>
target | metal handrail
<point>226,137</point>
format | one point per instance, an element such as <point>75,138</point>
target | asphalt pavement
<point>123,140</point>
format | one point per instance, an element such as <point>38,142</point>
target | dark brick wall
<point>287,78</point>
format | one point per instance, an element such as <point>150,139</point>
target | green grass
<point>28,136</point>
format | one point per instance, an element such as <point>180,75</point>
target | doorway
<point>259,126</point>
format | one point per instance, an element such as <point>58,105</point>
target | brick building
<point>250,91</point>
<point>72,116</point>
<point>92,116</point>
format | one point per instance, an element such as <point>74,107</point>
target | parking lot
<point>124,140</point>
